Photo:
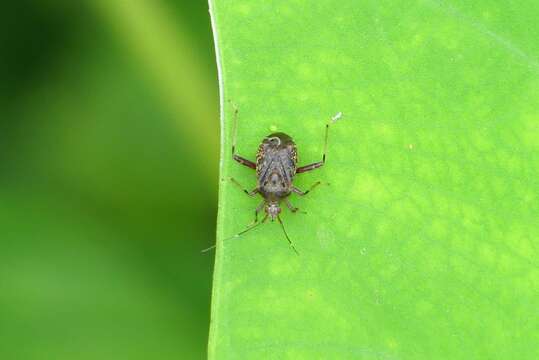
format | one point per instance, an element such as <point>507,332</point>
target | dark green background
<point>107,180</point>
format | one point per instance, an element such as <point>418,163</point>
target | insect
<point>276,165</point>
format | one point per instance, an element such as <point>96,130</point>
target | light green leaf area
<point>424,245</point>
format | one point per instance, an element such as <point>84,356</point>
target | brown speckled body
<point>276,163</point>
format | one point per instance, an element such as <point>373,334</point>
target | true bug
<point>275,166</point>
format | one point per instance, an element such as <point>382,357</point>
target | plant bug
<point>275,166</point>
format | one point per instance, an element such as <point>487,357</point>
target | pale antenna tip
<point>336,117</point>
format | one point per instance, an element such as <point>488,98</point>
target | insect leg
<point>250,193</point>
<point>303,193</point>
<point>250,227</point>
<point>292,207</point>
<point>257,210</point>
<point>244,161</point>
<point>318,164</point>
<point>236,157</point>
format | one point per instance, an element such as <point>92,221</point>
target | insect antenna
<point>285,234</point>
<point>250,227</point>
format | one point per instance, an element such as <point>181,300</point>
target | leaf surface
<point>424,243</point>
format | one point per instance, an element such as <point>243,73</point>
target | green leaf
<point>424,243</point>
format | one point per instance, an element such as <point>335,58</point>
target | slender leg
<point>236,157</point>
<point>250,193</point>
<point>250,227</point>
<point>318,164</point>
<point>290,206</point>
<point>257,210</point>
<point>293,208</point>
<point>302,193</point>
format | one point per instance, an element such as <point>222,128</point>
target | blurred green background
<point>108,179</point>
